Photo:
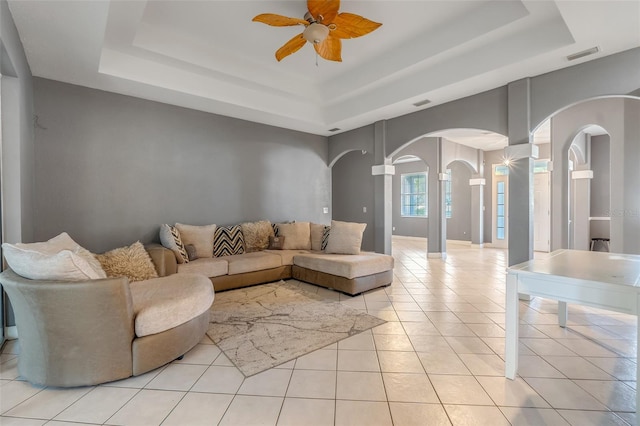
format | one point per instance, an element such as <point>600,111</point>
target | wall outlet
<point>325,210</point>
<point>393,228</point>
<point>364,210</point>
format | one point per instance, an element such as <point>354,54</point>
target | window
<point>501,170</point>
<point>447,195</point>
<point>500,211</point>
<point>413,195</point>
<point>540,166</point>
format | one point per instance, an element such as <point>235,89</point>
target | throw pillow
<point>316,231</point>
<point>276,243</point>
<point>59,258</point>
<point>170,238</point>
<point>191,252</point>
<point>228,240</point>
<point>345,237</point>
<point>256,235</point>
<point>200,236</point>
<point>298,235</point>
<point>132,262</point>
<point>319,236</point>
<point>325,236</point>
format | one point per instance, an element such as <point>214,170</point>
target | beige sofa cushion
<point>347,266</point>
<point>286,256</point>
<point>209,267</point>
<point>161,304</point>
<point>345,237</point>
<point>297,235</point>
<point>256,235</point>
<point>200,236</point>
<point>251,262</point>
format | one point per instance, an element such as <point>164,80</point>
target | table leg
<point>638,369</point>
<point>563,314</point>
<point>512,322</point>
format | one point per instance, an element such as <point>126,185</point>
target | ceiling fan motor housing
<point>315,33</point>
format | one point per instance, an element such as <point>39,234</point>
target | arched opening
<point>410,197</point>
<point>594,147</point>
<point>589,188</point>
<point>453,161</point>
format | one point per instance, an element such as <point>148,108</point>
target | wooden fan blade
<point>349,25</point>
<point>327,9</point>
<point>290,47</point>
<point>330,49</point>
<point>279,20</point>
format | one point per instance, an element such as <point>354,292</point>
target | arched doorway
<point>589,188</point>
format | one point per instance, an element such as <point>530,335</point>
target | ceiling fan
<point>325,28</point>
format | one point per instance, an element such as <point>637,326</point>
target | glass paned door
<point>500,206</point>
<point>500,211</point>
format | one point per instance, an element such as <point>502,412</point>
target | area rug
<point>267,325</point>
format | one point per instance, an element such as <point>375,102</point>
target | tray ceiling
<point>209,56</point>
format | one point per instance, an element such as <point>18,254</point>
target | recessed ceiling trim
<point>583,53</point>
<point>422,103</point>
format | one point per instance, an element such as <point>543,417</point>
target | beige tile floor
<point>437,361</point>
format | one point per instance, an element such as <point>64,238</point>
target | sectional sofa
<point>261,252</point>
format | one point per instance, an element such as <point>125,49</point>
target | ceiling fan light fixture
<point>315,33</point>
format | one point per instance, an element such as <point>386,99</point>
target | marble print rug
<point>267,325</point>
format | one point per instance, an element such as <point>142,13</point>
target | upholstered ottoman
<point>351,274</point>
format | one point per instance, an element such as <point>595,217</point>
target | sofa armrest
<point>72,333</point>
<point>163,259</point>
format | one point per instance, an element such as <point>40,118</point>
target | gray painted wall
<point>17,133</point>
<point>611,75</point>
<point>353,189</point>
<point>408,226</point>
<point>112,168</point>
<point>459,225</point>
<point>17,155</point>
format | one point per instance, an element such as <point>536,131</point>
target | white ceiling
<point>210,56</point>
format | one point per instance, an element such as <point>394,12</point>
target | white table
<point>602,280</point>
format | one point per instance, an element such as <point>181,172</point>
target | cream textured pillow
<point>132,262</point>
<point>256,235</point>
<point>170,238</point>
<point>200,236</point>
<point>297,235</point>
<point>60,258</point>
<point>345,237</point>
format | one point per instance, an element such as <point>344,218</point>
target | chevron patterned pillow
<point>228,240</point>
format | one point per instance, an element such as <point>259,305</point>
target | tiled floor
<point>437,361</point>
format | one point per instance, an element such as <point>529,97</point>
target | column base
<point>481,245</point>
<point>11,332</point>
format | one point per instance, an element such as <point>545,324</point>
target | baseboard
<point>460,242</point>
<point>11,333</point>
<point>436,255</point>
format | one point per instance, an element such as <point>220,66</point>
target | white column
<point>477,211</point>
